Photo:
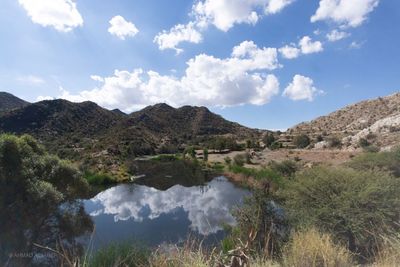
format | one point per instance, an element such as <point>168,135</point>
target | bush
<point>269,139</point>
<point>239,159</point>
<point>121,254</point>
<point>98,178</point>
<point>228,160</point>
<point>302,141</point>
<point>313,249</point>
<point>384,161</point>
<point>335,142</point>
<point>363,143</point>
<point>356,207</point>
<point>285,168</point>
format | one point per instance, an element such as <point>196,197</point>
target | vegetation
<point>356,207</point>
<point>269,139</point>
<point>99,178</point>
<point>302,141</point>
<point>33,185</point>
<point>311,248</point>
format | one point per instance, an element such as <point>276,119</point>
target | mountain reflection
<point>207,207</point>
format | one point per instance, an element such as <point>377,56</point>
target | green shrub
<point>239,159</point>
<point>269,139</point>
<point>302,141</point>
<point>357,207</point>
<point>285,168</point>
<point>386,161</point>
<point>335,142</point>
<point>228,160</point>
<point>98,178</point>
<point>120,254</point>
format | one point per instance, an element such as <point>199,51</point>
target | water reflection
<point>171,213</point>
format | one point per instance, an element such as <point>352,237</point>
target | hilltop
<point>9,102</point>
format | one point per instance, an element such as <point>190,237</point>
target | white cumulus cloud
<point>179,33</point>
<point>301,88</point>
<point>122,28</point>
<point>59,14</point>
<point>347,13</point>
<point>289,51</point>
<point>208,81</point>
<point>336,35</point>
<point>307,46</point>
<point>223,14</point>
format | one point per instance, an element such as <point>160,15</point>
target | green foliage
<point>363,143</point>
<point>285,168</point>
<point>302,141</point>
<point>205,154</point>
<point>239,159</point>
<point>269,139</point>
<point>260,214</point>
<point>99,178</point>
<point>228,160</point>
<point>221,143</point>
<point>191,151</point>
<point>385,161</point>
<point>357,207</point>
<point>334,142</point>
<point>165,158</point>
<point>276,145</point>
<point>120,254</point>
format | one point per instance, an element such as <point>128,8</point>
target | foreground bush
<point>386,161</point>
<point>123,254</point>
<point>356,207</point>
<point>313,249</point>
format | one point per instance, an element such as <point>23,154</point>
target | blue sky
<point>226,55</point>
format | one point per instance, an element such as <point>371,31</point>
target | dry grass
<point>190,255</point>
<point>389,254</point>
<point>312,249</point>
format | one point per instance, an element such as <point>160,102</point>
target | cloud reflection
<point>208,207</point>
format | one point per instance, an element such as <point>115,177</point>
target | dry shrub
<point>311,248</point>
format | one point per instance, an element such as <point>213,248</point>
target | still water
<point>139,212</point>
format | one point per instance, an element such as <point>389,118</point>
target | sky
<point>263,63</point>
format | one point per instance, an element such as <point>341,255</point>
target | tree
<point>205,154</point>
<point>302,141</point>
<point>269,139</point>
<point>33,185</point>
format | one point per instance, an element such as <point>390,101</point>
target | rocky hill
<point>86,130</point>
<point>376,121</point>
<point>9,102</point>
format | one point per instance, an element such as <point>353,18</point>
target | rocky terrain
<point>374,122</point>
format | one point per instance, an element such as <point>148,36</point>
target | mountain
<point>9,102</point>
<point>186,122</point>
<point>377,120</point>
<point>86,130</point>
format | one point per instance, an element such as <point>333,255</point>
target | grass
<point>120,254</point>
<point>99,178</point>
<point>258,174</point>
<point>166,157</point>
<point>311,248</point>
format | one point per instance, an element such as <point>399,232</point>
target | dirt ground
<point>331,157</point>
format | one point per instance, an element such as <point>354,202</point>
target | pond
<point>169,203</point>
<point>140,212</point>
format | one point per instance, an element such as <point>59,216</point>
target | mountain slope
<point>376,119</point>
<point>86,130</point>
<point>9,102</point>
